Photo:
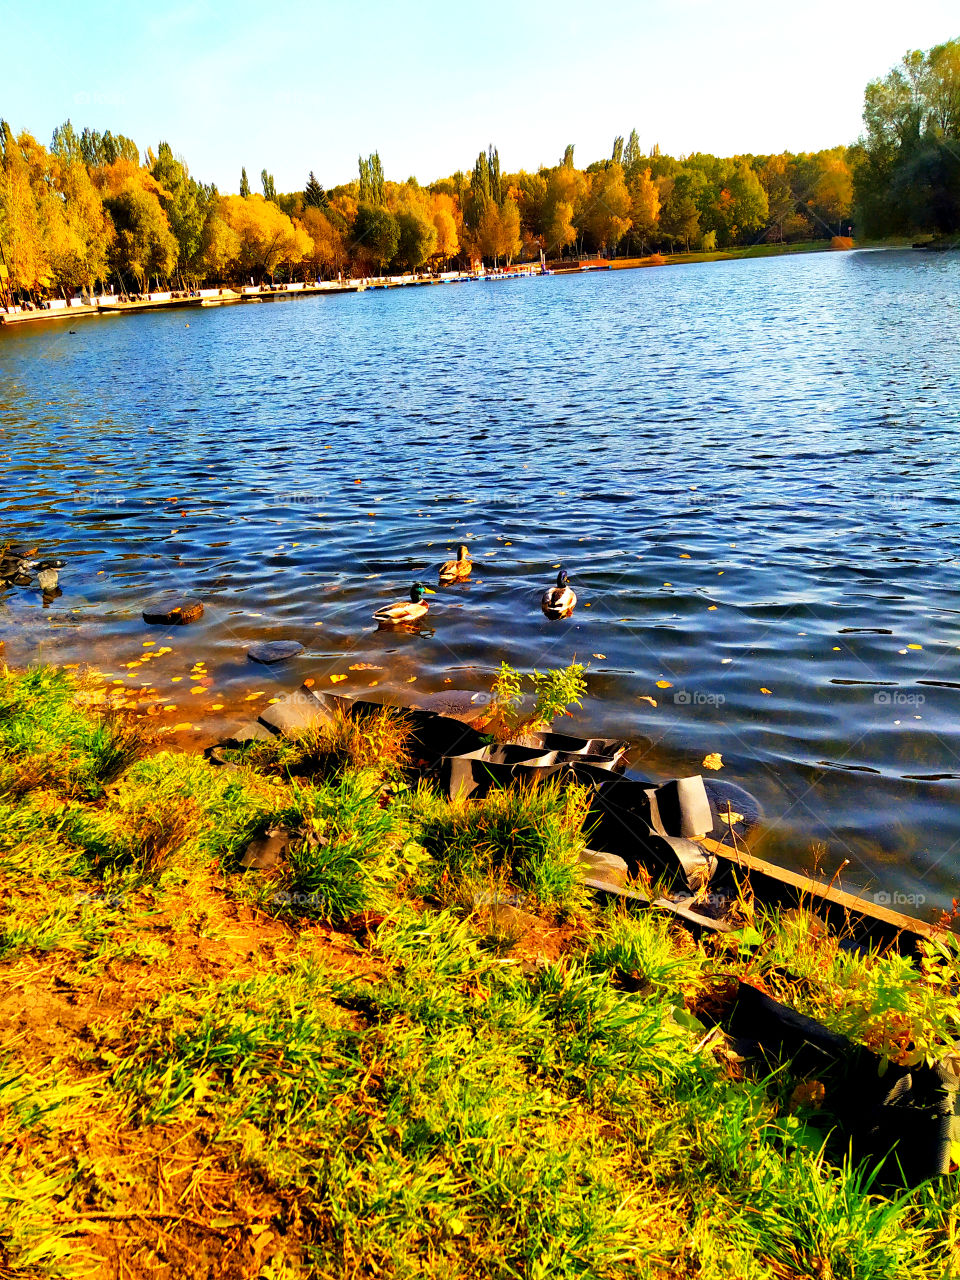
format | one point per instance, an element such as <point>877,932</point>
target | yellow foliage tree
<point>267,238</point>
<point>20,223</point>
<point>607,215</point>
<point>645,203</point>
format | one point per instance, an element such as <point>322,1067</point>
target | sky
<point>295,85</point>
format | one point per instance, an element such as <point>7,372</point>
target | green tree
<point>416,240</point>
<point>371,180</point>
<point>314,196</point>
<point>376,235</point>
<point>269,190</point>
<point>186,204</point>
<point>244,184</point>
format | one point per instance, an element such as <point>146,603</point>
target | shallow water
<point>748,468</point>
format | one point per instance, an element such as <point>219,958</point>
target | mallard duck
<point>457,570</point>
<point>406,611</point>
<point>561,600</point>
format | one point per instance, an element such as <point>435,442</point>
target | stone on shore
<point>295,714</point>
<point>266,851</point>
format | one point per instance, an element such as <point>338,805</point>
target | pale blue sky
<point>295,85</point>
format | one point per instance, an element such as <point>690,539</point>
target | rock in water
<point>274,650</point>
<point>173,610</point>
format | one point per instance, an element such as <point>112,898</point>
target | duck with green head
<point>406,610</point>
<point>561,600</point>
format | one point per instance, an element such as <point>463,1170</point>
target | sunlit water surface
<point>748,468</point>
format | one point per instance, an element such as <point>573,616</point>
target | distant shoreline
<point>288,292</point>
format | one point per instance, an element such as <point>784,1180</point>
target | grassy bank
<point>752,251</point>
<point>413,1046</point>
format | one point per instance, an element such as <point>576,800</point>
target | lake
<point>749,470</point>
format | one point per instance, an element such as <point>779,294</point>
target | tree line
<point>91,209</point>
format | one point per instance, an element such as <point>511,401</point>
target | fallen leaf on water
<point>173,679</point>
<point>148,643</point>
<point>762,690</point>
<point>216,706</point>
<point>185,725</point>
<point>273,699</point>
<point>914,646</point>
<point>599,655</point>
<point>664,684</point>
<point>198,689</point>
<point>250,696</point>
<point>711,607</point>
<point>172,707</point>
<point>411,680</point>
<point>646,698</point>
<point>365,666</point>
<point>373,684</point>
<point>684,556</point>
<point>837,649</point>
<point>731,817</point>
<point>337,679</point>
<point>713,761</point>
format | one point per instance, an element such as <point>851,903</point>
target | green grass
<point>330,1069</point>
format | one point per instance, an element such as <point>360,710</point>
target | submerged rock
<point>274,650</point>
<point>173,610</point>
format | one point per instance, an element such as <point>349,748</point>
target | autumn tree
<point>326,231</point>
<point>21,232</point>
<point>606,217</point>
<point>267,238</point>
<point>644,205</point>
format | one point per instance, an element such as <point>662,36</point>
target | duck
<point>406,610</point>
<point>561,600</point>
<point>457,570</point>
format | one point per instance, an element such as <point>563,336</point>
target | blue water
<point>748,468</point>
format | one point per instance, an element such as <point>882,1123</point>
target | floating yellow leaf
<point>216,706</point>
<point>185,725</point>
<point>762,690</point>
<point>250,696</point>
<point>713,761</point>
<point>175,679</point>
<point>337,679</point>
<point>664,684</point>
<point>365,666</point>
<point>411,680</point>
<point>171,707</point>
<point>198,689</point>
<point>646,698</point>
<point>711,607</point>
<point>684,556</point>
<point>373,684</point>
<point>914,646</point>
<point>148,644</point>
<point>599,655</point>
<point>837,649</point>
